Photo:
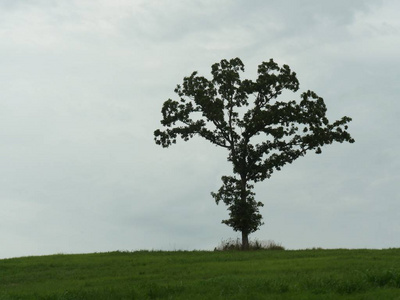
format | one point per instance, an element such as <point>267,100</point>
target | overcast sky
<point>82,83</point>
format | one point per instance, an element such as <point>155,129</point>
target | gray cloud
<point>82,85</point>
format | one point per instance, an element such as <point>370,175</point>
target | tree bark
<point>243,196</point>
<point>245,240</point>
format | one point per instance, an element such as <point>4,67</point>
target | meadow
<point>264,274</point>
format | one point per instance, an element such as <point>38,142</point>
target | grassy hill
<point>305,274</point>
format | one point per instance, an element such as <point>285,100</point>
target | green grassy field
<point>305,274</point>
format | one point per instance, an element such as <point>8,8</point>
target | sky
<point>82,83</point>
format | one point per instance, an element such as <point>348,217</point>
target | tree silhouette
<point>261,132</point>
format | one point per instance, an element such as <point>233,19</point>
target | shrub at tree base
<point>232,244</point>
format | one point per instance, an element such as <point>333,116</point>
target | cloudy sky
<point>82,83</point>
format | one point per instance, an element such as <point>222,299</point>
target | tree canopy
<point>260,131</point>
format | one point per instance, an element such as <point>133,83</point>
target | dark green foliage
<point>261,132</point>
<point>244,215</point>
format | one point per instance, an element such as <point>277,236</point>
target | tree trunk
<point>243,196</point>
<point>245,240</point>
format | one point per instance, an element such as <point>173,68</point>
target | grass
<point>232,244</point>
<point>264,274</point>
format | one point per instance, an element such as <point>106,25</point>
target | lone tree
<point>260,132</point>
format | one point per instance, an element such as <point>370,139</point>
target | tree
<point>260,132</point>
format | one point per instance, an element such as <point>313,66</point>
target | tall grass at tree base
<point>236,244</point>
